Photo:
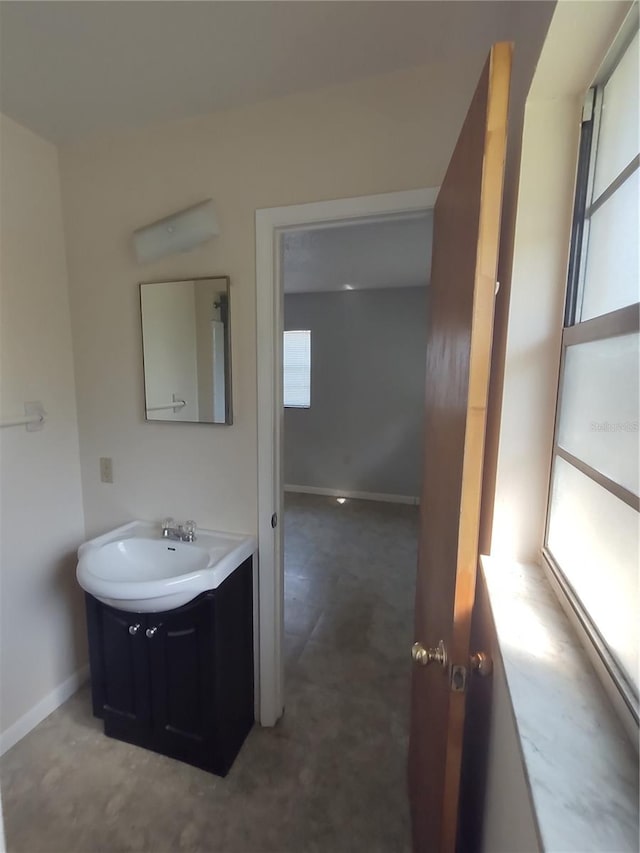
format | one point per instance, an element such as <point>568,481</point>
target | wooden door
<point>463,285</point>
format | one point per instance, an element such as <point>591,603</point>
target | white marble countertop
<point>581,767</point>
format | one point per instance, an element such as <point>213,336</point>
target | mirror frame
<point>228,372</point>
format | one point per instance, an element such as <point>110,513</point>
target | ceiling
<point>74,69</point>
<point>389,252</point>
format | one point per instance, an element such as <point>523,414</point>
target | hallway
<point>330,777</point>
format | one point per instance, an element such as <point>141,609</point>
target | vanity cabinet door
<point>119,669</point>
<point>181,653</point>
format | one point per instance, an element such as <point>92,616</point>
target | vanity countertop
<point>134,568</point>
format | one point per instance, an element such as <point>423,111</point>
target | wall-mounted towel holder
<point>33,420</point>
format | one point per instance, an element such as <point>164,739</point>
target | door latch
<point>274,520</point>
<point>479,663</point>
<point>458,678</point>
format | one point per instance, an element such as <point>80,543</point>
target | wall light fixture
<point>179,232</point>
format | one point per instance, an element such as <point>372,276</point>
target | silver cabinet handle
<point>151,631</point>
<point>133,629</point>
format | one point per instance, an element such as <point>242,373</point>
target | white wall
<point>364,429</point>
<point>543,228</point>
<point>378,135</point>
<point>509,822</point>
<point>42,632</point>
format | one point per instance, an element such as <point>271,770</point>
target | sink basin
<point>133,568</point>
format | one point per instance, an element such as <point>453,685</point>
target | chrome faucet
<point>181,532</point>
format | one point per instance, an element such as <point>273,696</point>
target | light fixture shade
<point>176,233</point>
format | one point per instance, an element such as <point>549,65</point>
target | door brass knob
<point>426,656</point>
<point>481,664</point>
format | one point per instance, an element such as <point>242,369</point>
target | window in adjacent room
<point>592,527</point>
<point>297,369</point>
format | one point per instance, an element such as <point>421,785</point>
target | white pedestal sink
<point>133,568</point>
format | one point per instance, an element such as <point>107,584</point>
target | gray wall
<point>363,431</point>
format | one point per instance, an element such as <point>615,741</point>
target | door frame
<point>271,223</point>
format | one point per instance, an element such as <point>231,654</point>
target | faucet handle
<point>166,524</point>
<point>189,528</point>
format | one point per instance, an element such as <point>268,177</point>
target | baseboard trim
<point>42,709</point>
<point>345,493</point>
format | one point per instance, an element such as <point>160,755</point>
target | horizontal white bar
<point>35,419</point>
<point>177,404</point>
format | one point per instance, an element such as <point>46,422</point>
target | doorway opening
<point>354,347</point>
<point>273,227</point>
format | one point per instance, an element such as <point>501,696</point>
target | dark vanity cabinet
<point>178,682</point>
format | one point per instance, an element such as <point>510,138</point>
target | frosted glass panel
<point>618,142</point>
<point>599,407</point>
<point>611,278</point>
<point>594,539</point>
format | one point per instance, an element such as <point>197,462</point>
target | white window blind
<point>297,369</point>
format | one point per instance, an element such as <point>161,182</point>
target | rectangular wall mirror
<point>187,350</point>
